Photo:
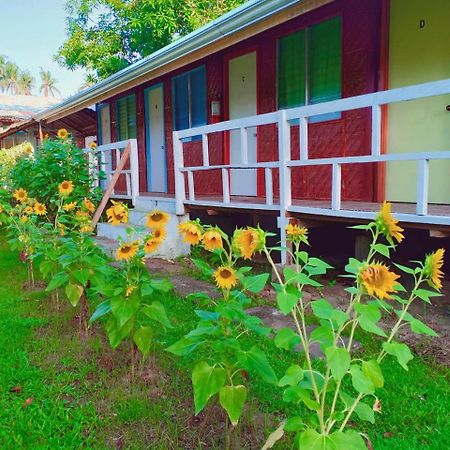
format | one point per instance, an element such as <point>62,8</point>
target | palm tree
<point>89,80</point>
<point>10,77</point>
<point>48,83</point>
<point>2,69</point>
<point>25,83</point>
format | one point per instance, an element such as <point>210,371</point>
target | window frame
<point>307,75</point>
<point>189,93</point>
<point>117,118</point>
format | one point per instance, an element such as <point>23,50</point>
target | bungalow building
<point>314,109</point>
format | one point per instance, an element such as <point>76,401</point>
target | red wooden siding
<point>349,135</point>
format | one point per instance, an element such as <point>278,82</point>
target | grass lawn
<point>71,394</point>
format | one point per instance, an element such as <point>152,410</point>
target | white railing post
<point>376,130</point>
<point>178,162</point>
<point>336,187</point>
<point>225,186</point>
<point>244,145</point>
<point>191,187</point>
<point>205,150</point>
<point>423,182</point>
<point>269,186</point>
<point>303,138</point>
<point>134,171</point>
<point>284,155</point>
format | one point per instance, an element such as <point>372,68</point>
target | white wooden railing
<point>284,119</point>
<point>106,158</point>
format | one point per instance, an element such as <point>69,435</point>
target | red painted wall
<point>349,135</point>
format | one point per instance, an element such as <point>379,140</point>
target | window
<point>309,66</point>
<point>126,118</point>
<point>189,99</point>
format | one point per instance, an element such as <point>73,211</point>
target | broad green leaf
<point>156,311</point>
<point>294,374</point>
<point>161,285</point>
<point>338,360</point>
<point>232,399</point>
<point>143,339</point>
<point>286,302</point>
<point>117,334</point>
<point>206,381</point>
<point>203,327</point>
<point>207,315</point>
<point>255,283</point>
<point>365,412</point>
<point>58,280</point>
<point>347,440</point>
<point>323,335</point>
<point>400,351</point>
<point>369,316</point>
<point>316,262</point>
<point>425,294</point>
<point>294,424</point>
<point>311,440</point>
<point>101,310</point>
<point>124,308</point>
<point>372,370</point>
<point>73,293</point>
<point>322,309</point>
<point>185,345</point>
<point>255,359</point>
<point>361,382</point>
<point>404,269</point>
<point>82,276</point>
<point>302,256</point>
<point>382,249</point>
<point>297,394</point>
<point>420,328</point>
<point>287,339</point>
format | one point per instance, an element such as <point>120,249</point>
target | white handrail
<point>105,164</point>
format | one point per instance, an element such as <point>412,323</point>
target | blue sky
<point>31,31</point>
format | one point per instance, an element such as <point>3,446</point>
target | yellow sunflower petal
<point>157,219</point>
<point>433,265</point>
<point>387,224</point>
<point>225,277</point>
<point>378,280</point>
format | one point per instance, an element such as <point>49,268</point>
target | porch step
<point>171,248</point>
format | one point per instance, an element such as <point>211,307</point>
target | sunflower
<point>117,213</point>
<point>378,280</point>
<point>387,224</point>
<point>62,133</point>
<point>20,195</point>
<point>157,219</point>
<point>70,206</point>
<point>192,230</point>
<point>152,243</point>
<point>249,241</point>
<point>65,188</point>
<point>28,148</point>
<point>212,240</point>
<point>61,228</point>
<point>82,215</point>
<point>93,145</point>
<point>86,228</point>
<point>160,234</point>
<point>40,209</point>
<point>432,268</point>
<point>28,210</point>
<point>88,205</point>
<point>127,251</point>
<point>296,233</point>
<point>130,289</point>
<point>225,277</point>
<point>24,219</point>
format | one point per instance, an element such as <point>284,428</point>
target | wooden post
<point>178,162</point>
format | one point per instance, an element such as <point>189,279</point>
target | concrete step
<point>171,248</point>
<point>166,204</point>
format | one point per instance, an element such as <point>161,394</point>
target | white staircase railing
<point>284,119</point>
<point>107,158</point>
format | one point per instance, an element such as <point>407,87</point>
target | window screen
<point>126,118</point>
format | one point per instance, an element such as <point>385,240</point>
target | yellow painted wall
<point>418,55</point>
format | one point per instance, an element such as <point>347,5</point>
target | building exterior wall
<point>419,52</point>
<point>348,135</point>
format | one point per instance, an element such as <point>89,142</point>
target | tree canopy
<point>105,36</point>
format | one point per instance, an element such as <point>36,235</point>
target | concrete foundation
<point>171,248</point>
